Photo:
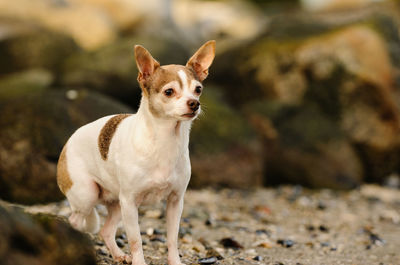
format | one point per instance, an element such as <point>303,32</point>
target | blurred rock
<point>227,22</point>
<point>41,239</point>
<point>223,149</point>
<point>22,83</point>
<point>87,25</point>
<point>112,69</point>
<point>325,5</point>
<point>304,146</point>
<point>33,130</point>
<point>322,95</point>
<point>34,48</point>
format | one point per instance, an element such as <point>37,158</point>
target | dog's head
<point>173,91</point>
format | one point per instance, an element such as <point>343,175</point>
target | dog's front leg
<point>130,217</point>
<point>174,212</point>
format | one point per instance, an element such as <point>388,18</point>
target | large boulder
<point>328,77</point>
<point>31,47</point>
<point>41,239</point>
<point>33,130</point>
<point>112,69</point>
<point>304,146</point>
<point>25,82</point>
<point>223,149</point>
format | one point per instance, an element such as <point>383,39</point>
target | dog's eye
<point>169,92</point>
<point>198,89</point>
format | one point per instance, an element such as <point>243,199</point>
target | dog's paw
<point>125,259</point>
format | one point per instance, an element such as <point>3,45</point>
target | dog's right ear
<point>145,62</point>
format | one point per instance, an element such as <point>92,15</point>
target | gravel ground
<point>286,225</point>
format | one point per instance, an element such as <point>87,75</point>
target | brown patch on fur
<point>63,179</point>
<point>107,133</point>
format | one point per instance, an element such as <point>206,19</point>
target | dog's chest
<point>161,172</point>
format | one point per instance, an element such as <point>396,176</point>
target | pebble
<point>157,238</point>
<point>150,231</point>
<point>321,206</point>
<point>157,232</point>
<point>101,252</point>
<point>263,232</point>
<point>285,242</point>
<point>257,258</point>
<point>120,242</point>
<point>210,260</point>
<point>325,244</point>
<point>228,242</point>
<point>208,222</point>
<point>211,252</point>
<point>156,214</point>
<point>99,243</point>
<point>323,228</point>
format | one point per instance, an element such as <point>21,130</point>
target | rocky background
<point>303,92</point>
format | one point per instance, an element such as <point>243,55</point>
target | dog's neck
<point>160,128</point>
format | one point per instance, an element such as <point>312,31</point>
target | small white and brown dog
<point>123,161</point>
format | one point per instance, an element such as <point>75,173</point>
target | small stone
<point>323,228</point>
<point>263,232</point>
<point>310,228</point>
<point>156,214</point>
<point>198,247</point>
<point>257,258</point>
<point>228,242</point>
<point>375,239</point>
<point>208,222</point>
<point>325,244</point>
<point>264,245</point>
<point>101,252</point>
<point>184,231</point>
<point>211,252</point>
<point>321,206</point>
<point>157,232</point>
<point>120,242</point>
<point>157,238</point>
<point>122,236</point>
<point>285,242</point>
<point>150,231</point>
<point>210,260</point>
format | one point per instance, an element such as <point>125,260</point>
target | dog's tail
<point>86,223</point>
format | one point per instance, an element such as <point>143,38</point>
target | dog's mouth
<point>189,115</point>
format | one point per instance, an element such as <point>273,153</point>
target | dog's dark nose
<point>193,104</point>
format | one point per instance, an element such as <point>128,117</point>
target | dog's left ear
<point>202,59</point>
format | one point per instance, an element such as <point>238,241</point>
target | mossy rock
<point>303,145</point>
<point>223,146</point>
<point>25,82</point>
<point>35,49</point>
<point>219,126</point>
<point>33,130</point>
<point>41,239</point>
<point>112,69</point>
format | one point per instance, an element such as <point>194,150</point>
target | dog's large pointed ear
<point>145,62</point>
<point>202,59</point>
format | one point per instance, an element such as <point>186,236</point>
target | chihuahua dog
<point>124,161</point>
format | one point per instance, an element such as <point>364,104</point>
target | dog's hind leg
<point>83,197</point>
